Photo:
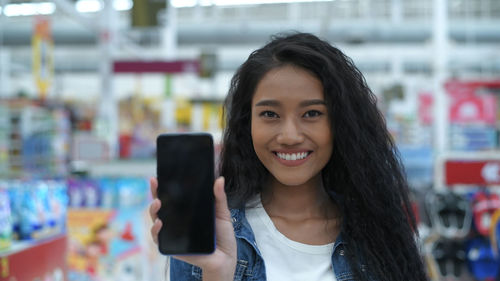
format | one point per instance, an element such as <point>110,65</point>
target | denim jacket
<point>250,265</point>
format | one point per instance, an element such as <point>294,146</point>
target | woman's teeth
<point>292,156</point>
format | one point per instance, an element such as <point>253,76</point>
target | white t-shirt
<point>286,259</point>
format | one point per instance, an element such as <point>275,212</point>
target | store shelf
<point>132,168</point>
<point>46,260</point>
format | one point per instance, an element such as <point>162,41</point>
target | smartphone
<point>185,173</point>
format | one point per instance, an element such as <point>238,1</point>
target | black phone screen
<point>185,172</point>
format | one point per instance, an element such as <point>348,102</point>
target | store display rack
<point>34,139</point>
<point>464,202</point>
<point>34,145</point>
<point>474,137</point>
<point>35,260</point>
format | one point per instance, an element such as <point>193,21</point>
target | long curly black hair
<point>364,176</point>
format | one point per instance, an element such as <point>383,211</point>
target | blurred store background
<point>87,85</point>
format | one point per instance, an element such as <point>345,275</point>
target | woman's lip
<point>292,163</point>
<point>289,151</point>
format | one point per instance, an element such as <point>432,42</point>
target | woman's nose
<point>290,133</point>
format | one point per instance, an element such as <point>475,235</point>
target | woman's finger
<point>153,185</point>
<point>153,208</point>
<point>221,208</point>
<point>155,229</point>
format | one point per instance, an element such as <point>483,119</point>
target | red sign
<point>469,105</point>
<point>425,108</point>
<point>472,172</point>
<point>179,66</point>
<point>453,85</point>
<point>44,260</point>
<point>474,109</point>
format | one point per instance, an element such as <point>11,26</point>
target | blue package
<point>5,218</point>
<point>61,192</point>
<point>14,189</point>
<point>46,208</point>
<point>31,213</point>
<point>132,192</point>
<point>91,193</point>
<point>58,204</point>
<point>75,193</point>
<point>482,262</point>
<point>107,187</point>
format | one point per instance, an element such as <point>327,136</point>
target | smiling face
<point>290,128</point>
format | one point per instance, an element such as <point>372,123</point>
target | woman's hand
<point>221,264</point>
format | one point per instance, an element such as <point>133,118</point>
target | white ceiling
<point>367,29</point>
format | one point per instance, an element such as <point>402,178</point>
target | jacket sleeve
<point>181,271</point>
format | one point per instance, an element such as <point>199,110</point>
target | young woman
<point>314,184</point>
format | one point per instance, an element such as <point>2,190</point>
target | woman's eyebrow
<point>312,102</point>
<point>302,103</point>
<point>268,103</point>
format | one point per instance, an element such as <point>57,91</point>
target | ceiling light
<point>88,6</point>
<point>29,9</point>
<point>192,3</point>
<point>183,3</point>
<point>122,5</point>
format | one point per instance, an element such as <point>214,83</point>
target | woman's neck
<point>308,200</point>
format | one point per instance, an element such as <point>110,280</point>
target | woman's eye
<point>268,114</point>
<point>313,113</point>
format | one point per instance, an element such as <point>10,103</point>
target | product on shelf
<point>463,221</point>
<point>482,262</point>
<point>83,193</point>
<point>75,193</point>
<point>495,233</point>
<point>107,240</point>
<point>32,214</point>
<point>91,193</point>
<point>450,214</point>
<point>38,208</point>
<point>132,192</point>
<point>36,213</point>
<point>108,192</point>
<point>449,260</point>
<point>484,205</point>
<point>58,201</point>
<point>5,218</point>
<point>34,139</point>
<point>4,140</point>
